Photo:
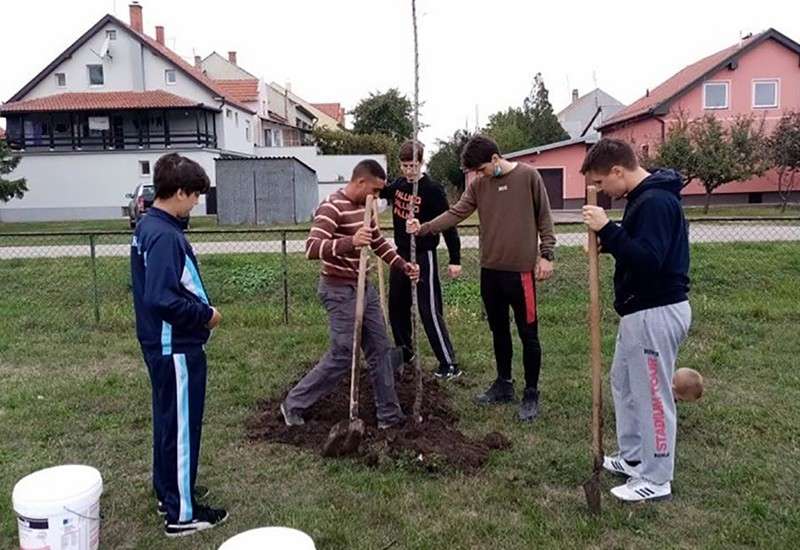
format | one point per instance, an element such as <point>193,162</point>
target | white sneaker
<point>639,490</point>
<point>619,466</point>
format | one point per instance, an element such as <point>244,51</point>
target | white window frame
<point>236,118</point>
<point>777,82</point>
<point>89,74</point>
<point>727,84</point>
<point>174,74</point>
<point>64,85</point>
<point>111,34</point>
<point>142,164</point>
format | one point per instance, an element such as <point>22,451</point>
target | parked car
<point>141,201</point>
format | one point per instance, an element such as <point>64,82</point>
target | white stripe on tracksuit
<point>434,310</point>
<point>184,445</point>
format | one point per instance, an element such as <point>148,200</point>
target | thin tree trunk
<point>708,201</point>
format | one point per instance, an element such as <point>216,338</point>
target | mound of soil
<point>433,445</point>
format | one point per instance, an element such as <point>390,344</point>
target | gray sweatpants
<point>641,383</point>
<point>340,302</point>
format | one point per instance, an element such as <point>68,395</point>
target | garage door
<point>554,183</point>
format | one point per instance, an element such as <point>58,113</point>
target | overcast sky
<point>475,55</point>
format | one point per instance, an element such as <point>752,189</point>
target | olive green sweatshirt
<point>514,215</point>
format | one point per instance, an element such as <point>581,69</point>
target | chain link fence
<point>262,277</point>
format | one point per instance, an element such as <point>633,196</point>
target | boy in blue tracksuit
<point>173,323</point>
<point>651,286</point>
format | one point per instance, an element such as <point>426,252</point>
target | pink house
<point>760,76</point>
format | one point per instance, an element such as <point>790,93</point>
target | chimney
<point>160,34</point>
<point>135,10</point>
<point>574,95</point>
<point>198,62</point>
<point>232,57</point>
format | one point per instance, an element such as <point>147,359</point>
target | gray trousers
<point>641,383</point>
<point>340,302</point>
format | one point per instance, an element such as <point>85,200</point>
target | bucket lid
<point>279,538</point>
<point>49,491</point>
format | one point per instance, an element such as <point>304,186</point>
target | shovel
<point>345,437</point>
<point>592,486</point>
<point>381,281</point>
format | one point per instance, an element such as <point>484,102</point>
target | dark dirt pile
<point>434,445</point>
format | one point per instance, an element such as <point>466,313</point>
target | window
<point>144,168</point>
<point>170,76</point>
<point>61,80</point>
<point>247,130</point>
<point>236,118</point>
<point>765,94</point>
<point>264,107</point>
<point>95,75</point>
<point>111,34</point>
<point>228,113</point>
<point>715,95</point>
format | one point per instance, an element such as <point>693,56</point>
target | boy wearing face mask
<point>517,248</point>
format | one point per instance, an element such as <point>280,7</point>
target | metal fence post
<point>284,259</point>
<point>94,279</point>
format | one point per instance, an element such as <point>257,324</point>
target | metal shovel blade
<point>345,438</point>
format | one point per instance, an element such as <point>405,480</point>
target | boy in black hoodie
<point>430,202</point>
<point>651,285</point>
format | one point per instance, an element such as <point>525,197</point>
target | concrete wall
<point>79,186</point>
<point>264,191</point>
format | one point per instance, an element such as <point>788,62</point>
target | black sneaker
<point>529,409</point>
<point>204,518</point>
<point>200,492</point>
<point>501,391</point>
<point>448,372</point>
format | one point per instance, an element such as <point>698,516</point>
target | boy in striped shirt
<point>335,239</point>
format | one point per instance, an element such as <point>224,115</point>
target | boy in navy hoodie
<point>173,323</point>
<point>651,285</point>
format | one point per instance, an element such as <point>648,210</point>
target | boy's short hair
<point>368,168</point>
<point>173,172</point>
<point>477,151</point>
<point>406,153</point>
<point>607,153</point>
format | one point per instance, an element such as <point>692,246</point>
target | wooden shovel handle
<point>381,281</point>
<point>594,338</point>
<point>359,320</point>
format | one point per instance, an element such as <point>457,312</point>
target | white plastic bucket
<point>59,508</point>
<point>272,538</point>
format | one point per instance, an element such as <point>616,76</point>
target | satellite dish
<point>104,48</point>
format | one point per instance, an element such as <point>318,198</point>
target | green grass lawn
<point>74,392</point>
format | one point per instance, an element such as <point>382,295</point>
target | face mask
<point>497,172</point>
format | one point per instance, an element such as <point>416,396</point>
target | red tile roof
<point>89,101</point>
<point>240,90</point>
<point>685,79</point>
<point>333,110</point>
<point>190,69</point>
<point>152,43</point>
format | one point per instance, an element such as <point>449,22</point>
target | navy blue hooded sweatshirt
<point>171,304</point>
<point>651,246</point>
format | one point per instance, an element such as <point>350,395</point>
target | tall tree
<point>510,129</point>
<point>784,148</point>
<point>445,163</point>
<point>677,151</point>
<point>724,155</point>
<point>9,189</point>
<point>544,125</point>
<point>387,113</point>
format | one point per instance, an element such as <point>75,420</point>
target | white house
<point>91,125</point>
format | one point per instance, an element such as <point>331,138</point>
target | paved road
<point>699,233</point>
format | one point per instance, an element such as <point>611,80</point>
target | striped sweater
<point>331,239</point>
